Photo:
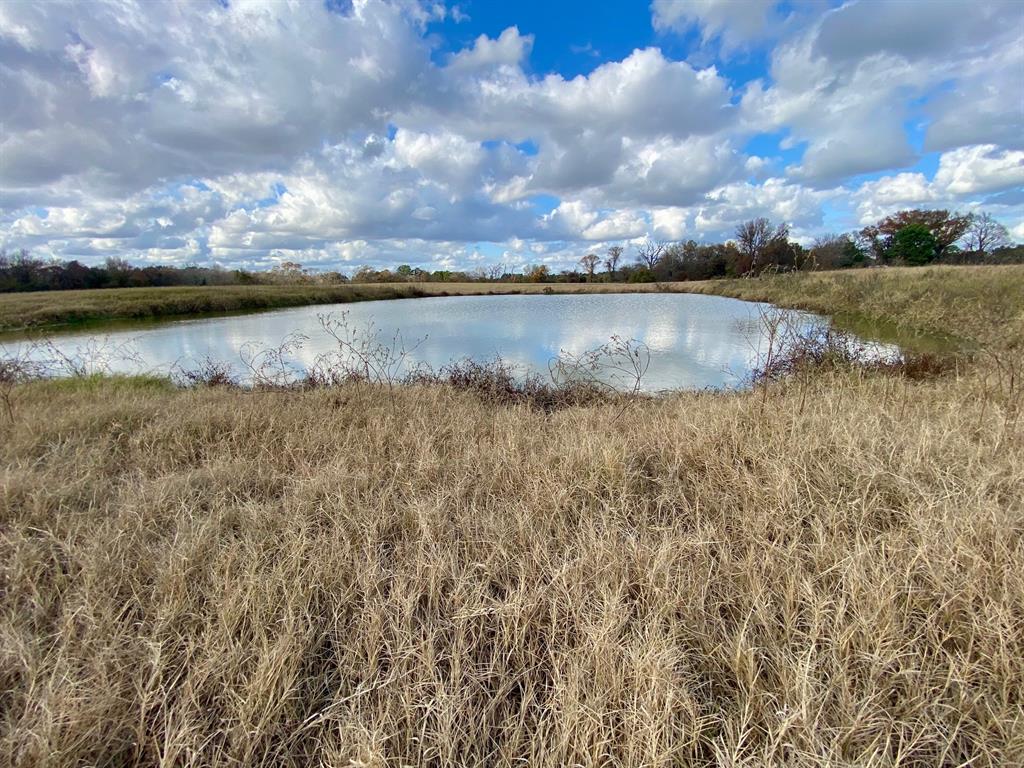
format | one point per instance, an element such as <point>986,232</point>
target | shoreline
<point>845,297</point>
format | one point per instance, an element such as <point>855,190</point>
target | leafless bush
<point>618,366</point>
<point>272,367</point>
<point>792,349</point>
<point>206,372</point>
<point>42,358</point>
<point>362,354</point>
<point>95,356</point>
<point>499,382</point>
<point>16,367</point>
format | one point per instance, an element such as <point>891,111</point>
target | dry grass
<point>965,302</point>
<point>52,309</point>
<point>214,577</point>
<point>824,575</point>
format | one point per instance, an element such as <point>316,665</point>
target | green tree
<point>944,226</point>
<point>915,244</point>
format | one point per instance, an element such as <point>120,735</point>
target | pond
<point>693,341</point>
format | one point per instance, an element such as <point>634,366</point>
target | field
<point>825,571</point>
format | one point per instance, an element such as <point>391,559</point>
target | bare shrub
<point>362,354</point>
<point>618,366</point>
<point>16,367</point>
<point>96,356</point>
<point>794,350</point>
<point>497,381</point>
<point>272,367</point>
<point>206,372</point>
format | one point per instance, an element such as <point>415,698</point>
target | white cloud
<point>669,223</point>
<point>858,30</point>
<point>438,156</point>
<point>847,86</point>
<point>119,96</point>
<point>982,168</point>
<point>776,198</point>
<point>735,22</point>
<point>509,49</point>
<point>963,179</point>
<point>249,132</point>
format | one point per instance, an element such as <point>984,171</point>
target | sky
<point>344,133</point>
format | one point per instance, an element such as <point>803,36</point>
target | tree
<point>612,262</point>
<point>915,244</point>
<point>291,272</point>
<point>537,273</point>
<point>649,253</point>
<point>944,226</point>
<point>985,234</point>
<point>589,263</point>
<point>756,237</point>
<point>835,252</point>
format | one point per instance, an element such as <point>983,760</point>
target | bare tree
<point>612,262</point>
<point>755,237</point>
<point>589,263</point>
<point>985,234</point>
<point>649,253</point>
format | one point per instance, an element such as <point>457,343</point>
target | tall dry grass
<point>214,577</point>
<point>827,571</point>
<point>967,303</point>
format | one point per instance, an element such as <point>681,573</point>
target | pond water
<point>694,341</point>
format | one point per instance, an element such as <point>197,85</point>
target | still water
<point>694,341</point>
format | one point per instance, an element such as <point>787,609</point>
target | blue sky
<point>467,134</point>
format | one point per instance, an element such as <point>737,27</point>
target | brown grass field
<point>824,572</point>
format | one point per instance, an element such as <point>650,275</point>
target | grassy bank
<point>825,572</point>
<point>964,302</point>
<point>52,309</point>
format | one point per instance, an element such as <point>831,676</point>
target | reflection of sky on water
<point>695,341</point>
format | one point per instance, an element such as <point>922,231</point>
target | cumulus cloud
<point>509,49</point>
<point>122,96</point>
<point>846,88</point>
<point>340,134</point>
<point>776,198</point>
<point>736,23</point>
<point>966,177</point>
<point>983,168</point>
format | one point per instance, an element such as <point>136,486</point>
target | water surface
<point>695,341</point>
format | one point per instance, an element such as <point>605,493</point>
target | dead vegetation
<point>825,570</point>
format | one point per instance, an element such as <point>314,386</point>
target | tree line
<point>912,237</point>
